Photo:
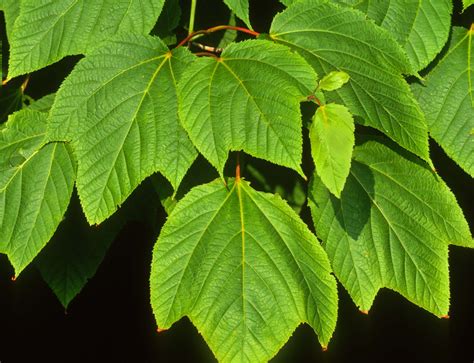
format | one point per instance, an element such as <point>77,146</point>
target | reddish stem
<point>237,169</point>
<point>215,29</point>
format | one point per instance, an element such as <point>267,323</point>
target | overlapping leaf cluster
<point>240,263</point>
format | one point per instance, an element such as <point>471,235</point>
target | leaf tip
<point>446,316</point>
<point>324,348</point>
<point>365,312</point>
<point>160,330</point>
<point>13,278</point>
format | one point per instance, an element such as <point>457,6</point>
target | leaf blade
<point>225,231</point>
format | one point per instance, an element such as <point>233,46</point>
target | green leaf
<point>43,104</point>
<point>36,182</point>
<point>74,253</point>
<point>119,109</point>
<point>448,100</point>
<point>248,99</point>
<point>11,10</point>
<point>332,139</point>
<point>332,37</point>
<point>241,9</point>
<point>421,27</point>
<point>245,269</point>
<point>466,4</point>
<point>48,30</point>
<point>390,228</point>
<point>333,81</point>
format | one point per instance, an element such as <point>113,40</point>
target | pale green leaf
<point>36,182</point>
<point>466,4</point>
<point>333,37</point>
<point>390,228</point>
<point>119,109</point>
<point>48,30</point>
<point>447,98</point>
<point>420,26</point>
<point>241,9</point>
<point>332,139</point>
<point>248,99</point>
<point>333,81</point>
<point>245,269</point>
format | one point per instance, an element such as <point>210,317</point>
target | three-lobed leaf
<point>48,30</point>
<point>119,108</point>
<point>333,37</point>
<point>390,228</point>
<point>245,269</point>
<point>36,182</point>
<point>447,98</point>
<point>248,99</point>
<point>332,139</point>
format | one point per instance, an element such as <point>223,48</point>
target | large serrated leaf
<point>248,99</point>
<point>119,109</point>
<point>420,26</point>
<point>48,30</point>
<point>447,98</point>
<point>390,228</point>
<point>244,268</point>
<point>36,182</point>
<point>332,37</point>
<point>332,139</point>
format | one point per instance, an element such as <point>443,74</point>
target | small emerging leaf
<point>245,269</point>
<point>333,81</point>
<point>332,139</point>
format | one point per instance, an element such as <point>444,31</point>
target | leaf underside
<point>390,228</point>
<point>244,268</point>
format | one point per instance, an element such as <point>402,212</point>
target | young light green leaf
<point>390,228</point>
<point>333,37</point>
<point>248,99</point>
<point>466,4</point>
<point>241,9</point>
<point>448,100</point>
<point>245,269</point>
<point>421,27</point>
<point>333,81</point>
<point>36,182</point>
<point>120,110</point>
<point>48,30</point>
<point>332,139</point>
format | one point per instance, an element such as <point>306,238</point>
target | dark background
<point>111,320</point>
